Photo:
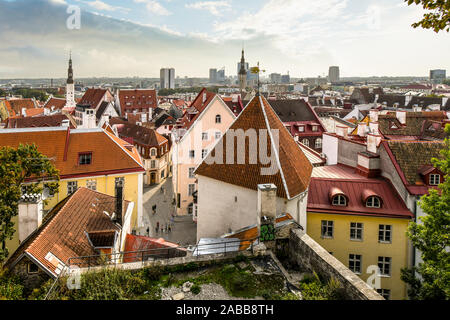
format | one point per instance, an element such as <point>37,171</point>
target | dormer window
<point>435,179</point>
<point>315,128</point>
<point>339,200</point>
<point>153,152</point>
<point>85,158</point>
<point>373,202</point>
<point>301,128</point>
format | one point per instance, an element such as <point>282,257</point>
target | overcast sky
<point>138,37</point>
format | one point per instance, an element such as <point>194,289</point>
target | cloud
<point>214,7</point>
<point>155,7</point>
<point>102,6</point>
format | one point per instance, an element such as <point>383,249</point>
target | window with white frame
<point>373,202</point>
<point>435,179</point>
<point>192,154</point>
<point>218,118</point>
<point>354,262</point>
<point>91,184</point>
<point>153,164</point>
<point>305,142</point>
<point>191,173</point>
<point>204,153</point>
<point>356,231</point>
<point>191,189</point>
<point>301,128</point>
<point>218,135</point>
<point>315,128</point>
<point>327,229</point>
<point>385,293</point>
<point>318,143</point>
<point>205,136</point>
<point>385,233</point>
<point>71,187</point>
<point>153,152</point>
<point>339,200</point>
<point>384,264</point>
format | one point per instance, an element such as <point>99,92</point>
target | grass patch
<point>316,288</point>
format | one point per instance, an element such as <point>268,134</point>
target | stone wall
<point>310,256</point>
<point>30,280</point>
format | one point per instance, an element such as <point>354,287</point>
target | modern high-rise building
<point>167,78</point>
<point>212,75</point>
<point>285,79</point>
<point>221,75</point>
<point>437,76</point>
<point>275,77</point>
<point>333,74</point>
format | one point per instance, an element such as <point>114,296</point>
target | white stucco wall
<point>330,148</point>
<point>219,212</point>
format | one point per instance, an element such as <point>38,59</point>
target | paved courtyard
<point>183,229</point>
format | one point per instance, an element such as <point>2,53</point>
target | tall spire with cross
<point>242,76</point>
<point>70,86</point>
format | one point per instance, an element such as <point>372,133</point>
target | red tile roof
<point>148,247</point>
<point>137,100</point>
<point>93,97</point>
<point>40,121</point>
<point>199,104</point>
<point>322,189</point>
<point>63,232</point>
<point>109,153</point>
<point>55,103</point>
<point>293,169</point>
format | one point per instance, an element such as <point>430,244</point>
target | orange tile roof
<point>63,232</point>
<point>18,104</point>
<point>293,168</point>
<point>109,153</point>
<point>34,112</point>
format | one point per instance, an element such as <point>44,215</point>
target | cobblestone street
<point>183,229</point>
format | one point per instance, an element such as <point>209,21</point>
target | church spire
<point>70,71</point>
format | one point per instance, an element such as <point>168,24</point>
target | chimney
<point>267,204</point>
<point>373,141</point>
<point>119,202</point>
<point>362,129</point>
<point>24,112</point>
<point>342,131</point>
<point>65,123</point>
<point>373,115</point>
<point>401,116</point>
<point>373,128</point>
<point>46,111</point>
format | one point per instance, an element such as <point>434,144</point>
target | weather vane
<point>257,70</point>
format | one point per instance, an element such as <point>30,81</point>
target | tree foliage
<point>431,279</point>
<point>21,170</point>
<point>438,16</point>
<point>32,93</point>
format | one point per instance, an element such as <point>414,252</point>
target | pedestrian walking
<point>148,231</point>
<point>157,226</point>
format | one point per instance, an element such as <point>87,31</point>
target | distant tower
<point>70,87</point>
<point>333,74</point>
<point>242,76</point>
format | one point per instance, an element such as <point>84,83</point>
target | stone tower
<point>70,87</point>
<point>242,76</point>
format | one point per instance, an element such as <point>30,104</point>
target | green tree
<point>438,16</point>
<point>21,170</point>
<point>431,279</point>
<point>2,93</point>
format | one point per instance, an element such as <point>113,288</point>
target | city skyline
<point>116,40</point>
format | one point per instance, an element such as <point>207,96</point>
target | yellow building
<point>362,222</point>
<point>92,158</point>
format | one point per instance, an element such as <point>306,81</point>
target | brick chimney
<point>373,128</point>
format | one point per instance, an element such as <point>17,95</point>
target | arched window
<point>153,152</point>
<point>339,200</point>
<point>305,142</point>
<point>218,118</point>
<point>319,143</point>
<point>373,202</point>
